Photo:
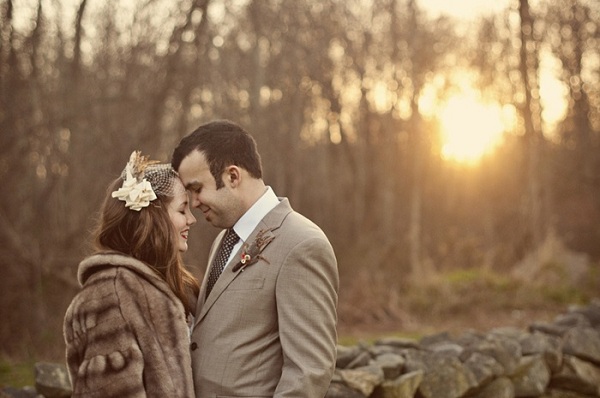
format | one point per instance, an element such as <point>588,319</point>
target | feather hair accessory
<point>139,163</point>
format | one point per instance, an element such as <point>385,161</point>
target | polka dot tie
<point>220,261</point>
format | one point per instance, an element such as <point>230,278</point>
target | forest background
<point>344,98</point>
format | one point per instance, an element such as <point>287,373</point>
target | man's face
<point>217,205</point>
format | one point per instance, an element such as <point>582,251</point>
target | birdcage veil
<point>162,177</point>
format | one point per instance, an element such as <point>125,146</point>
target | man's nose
<point>196,200</point>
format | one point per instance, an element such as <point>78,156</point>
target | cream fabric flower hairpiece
<point>136,191</point>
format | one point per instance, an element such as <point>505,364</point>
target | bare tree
<point>531,113</point>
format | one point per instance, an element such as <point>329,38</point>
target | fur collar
<point>103,260</point>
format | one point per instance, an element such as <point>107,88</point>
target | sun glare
<point>470,128</point>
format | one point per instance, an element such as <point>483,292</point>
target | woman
<point>126,331</point>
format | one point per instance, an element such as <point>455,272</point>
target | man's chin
<point>211,222</point>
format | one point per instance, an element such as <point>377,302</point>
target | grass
<point>457,301</point>
<point>372,337</point>
<point>16,373</point>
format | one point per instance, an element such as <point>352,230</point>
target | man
<point>266,325</point>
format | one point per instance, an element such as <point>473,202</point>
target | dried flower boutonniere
<point>251,252</point>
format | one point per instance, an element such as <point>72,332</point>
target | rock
<point>531,377</point>
<point>557,393</point>
<point>498,388</point>
<point>360,360</point>
<point>404,386</point>
<point>484,368</point>
<point>52,380</point>
<point>584,343</point>
<point>578,376</point>
<point>550,347</point>
<point>591,313</point>
<point>377,350</point>
<point>391,364</point>
<point>572,320</point>
<point>363,379</point>
<point>340,390</point>
<point>549,328</point>
<point>25,392</point>
<point>506,350</point>
<point>444,377</point>
<point>345,355</point>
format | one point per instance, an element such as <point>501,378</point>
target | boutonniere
<point>251,252</point>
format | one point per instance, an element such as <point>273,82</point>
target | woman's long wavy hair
<point>149,236</point>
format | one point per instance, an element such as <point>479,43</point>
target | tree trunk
<point>531,113</point>
<point>415,221</point>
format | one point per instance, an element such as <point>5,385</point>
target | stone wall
<point>559,359</point>
<point>549,360</point>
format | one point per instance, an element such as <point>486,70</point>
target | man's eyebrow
<point>192,185</point>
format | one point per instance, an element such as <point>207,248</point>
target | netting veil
<point>162,177</point>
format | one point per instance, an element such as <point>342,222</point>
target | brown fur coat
<point>126,332</point>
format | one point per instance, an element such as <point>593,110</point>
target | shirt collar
<point>249,221</point>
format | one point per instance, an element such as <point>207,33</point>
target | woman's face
<point>180,215</point>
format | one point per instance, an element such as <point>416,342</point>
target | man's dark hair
<point>223,143</point>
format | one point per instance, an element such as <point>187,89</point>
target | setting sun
<point>470,128</point>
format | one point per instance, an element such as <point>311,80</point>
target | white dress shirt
<point>249,221</point>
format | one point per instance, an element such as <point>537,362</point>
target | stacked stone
<point>548,360</point>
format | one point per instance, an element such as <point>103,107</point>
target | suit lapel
<point>270,223</point>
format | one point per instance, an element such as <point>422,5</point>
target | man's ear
<point>232,176</point>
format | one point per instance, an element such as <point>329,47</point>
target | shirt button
<point>193,346</point>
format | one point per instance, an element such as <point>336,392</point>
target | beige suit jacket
<point>269,330</point>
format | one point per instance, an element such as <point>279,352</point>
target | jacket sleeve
<point>103,356</point>
<point>307,294</point>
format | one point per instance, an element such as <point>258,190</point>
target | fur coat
<point>126,332</point>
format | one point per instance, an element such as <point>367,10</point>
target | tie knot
<point>231,237</point>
